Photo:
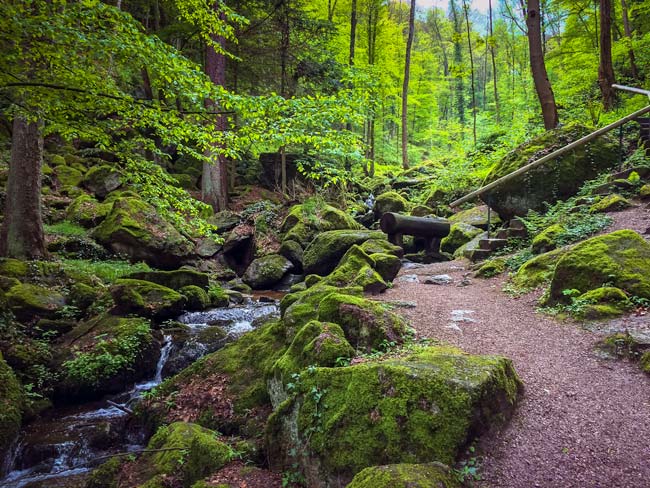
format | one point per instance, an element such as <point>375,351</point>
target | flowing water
<point>66,443</point>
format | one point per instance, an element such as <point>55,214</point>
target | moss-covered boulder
<point>29,302</point>
<point>315,344</point>
<point>68,176</point>
<point>11,408</point>
<point>422,211</point>
<point>490,268</point>
<point>327,249</point>
<point>225,221</point>
<point>367,325</point>
<point>460,234</point>
<point>644,192</point>
<point>197,298</point>
<point>644,362</point>
<point>382,246</point>
<point>476,217</point>
<point>621,259</point>
<point>266,271</point>
<point>603,303</point>
<point>293,252</point>
<point>135,229</point>
<point>301,307</point>
<point>188,452</point>
<point>306,220</point>
<point>432,475</point>
<point>386,265</point>
<point>101,180</point>
<point>546,240</point>
<point>13,268</point>
<point>175,279</point>
<point>146,299</point>
<point>538,270</point>
<point>358,269</point>
<point>87,211</point>
<point>105,355</point>
<point>611,203</point>
<point>389,202</point>
<point>422,407</point>
<point>557,179</point>
<point>467,249</point>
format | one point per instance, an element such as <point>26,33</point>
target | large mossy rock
<point>11,408</point>
<point>367,325</point>
<point>87,211</point>
<point>546,240</point>
<point>432,475</point>
<point>307,220</point>
<point>538,270</point>
<point>135,229</point>
<point>476,217</point>
<point>460,234</point>
<point>557,179</point>
<point>327,249</point>
<point>105,355</point>
<point>29,302</point>
<point>389,202</point>
<point>101,180</point>
<point>358,269</point>
<point>186,451</point>
<point>421,408</point>
<point>621,259</point>
<point>147,299</point>
<point>266,271</point>
<point>175,280</point>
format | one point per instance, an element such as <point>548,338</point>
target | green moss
<point>390,202</point>
<point>475,216</point>
<point>11,407</point>
<point>299,308</point>
<point>357,269</point>
<point>611,203</point>
<point>27,301</point>
<point>460,234</point>
<point>422,211</point>
<point>381,246</point>
<point>65,228</point>
<point>311,280</point>
<point>537,271</point>
<point>405,476</point>
<point>327,249</point>
<point>425,406</point>
<point>199,452</point>
<point>68,176</point>
<point>101,180</point>
<point>175,279</point>
<point>105,476</point>
<point>546,240</point>
<point>13,268</point>
<point>603,303</point>
<point>266,271</point>
<point>147,299</point>
<point>621,259</point>
<point>312,217</point>
<point>367,325</point>
<point>387,265</point>
<point>83,296</point>
<point>644,362</point>
<point>317,344</point>
<point>218,296</point>
<point>491,268</point>
<point>87,211</point>
<point>197,298</point>
<point>644,192</point>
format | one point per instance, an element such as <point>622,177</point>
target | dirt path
<point>582,422</point>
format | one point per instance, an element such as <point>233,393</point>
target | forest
<point>324,244</point>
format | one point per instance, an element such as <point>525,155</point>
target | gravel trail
<point>584,421</point>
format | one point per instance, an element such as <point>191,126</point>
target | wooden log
<point>392,223</point>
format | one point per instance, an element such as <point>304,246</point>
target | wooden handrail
<point>560,151</point>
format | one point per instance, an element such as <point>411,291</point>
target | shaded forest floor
<point>584,419</point>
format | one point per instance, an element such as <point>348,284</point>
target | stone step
<point>492,244</point>
<point>517,224</point>
<point>503,234</point>
<point>515,233</point>
<point>477,254</point>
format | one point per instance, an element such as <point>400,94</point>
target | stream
<point>66,443</point>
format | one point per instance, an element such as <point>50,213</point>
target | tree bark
<point>606,76</point>
<point>22,236</point>
<point>353,31</point>
<point>538,67</point>
<point>628,33</point>
<point>214,182</point>
<point>471,64</point>
<point>494,63</point>
<point>405,87</point>
<point>458,61</point>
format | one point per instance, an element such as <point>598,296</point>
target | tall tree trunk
<point>606,76</point>
<point>471,64</point>
<point>458,61</point>
<point>285,44</point>
<point>628,34</point>
<point>405,87</point>
<point>214,182</point>
<point>538,67</point>
<point>494,63</point>
<point>353,31</point>
<point>21,236</point>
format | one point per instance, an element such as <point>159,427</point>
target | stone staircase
<point>486,247</point>
<point>644,122</point>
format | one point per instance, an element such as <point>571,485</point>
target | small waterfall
<point>157,379</point>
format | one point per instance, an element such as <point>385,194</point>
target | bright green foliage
<point>405,476</point>
<point>107,271</point>
<point>11,401</point>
